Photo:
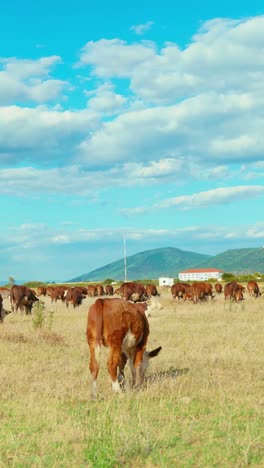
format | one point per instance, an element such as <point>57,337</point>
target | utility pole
<point>125,262</point>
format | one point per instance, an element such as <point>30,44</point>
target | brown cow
<point>201,290</point>
<point>73,296</point>
<point>180,289</point>
<point>123,328</point>
<point>253,289</point>
<point>41,291</point>
<point>218,288</point>
<point>233,291</point>
<point>3,312</point>
<point>57,292</point>
<point>151,290</point>
<point>132,291</point>
<point>83,289</point>
<point>22,297</point>
<point>100,290</point>
<point>92,290</point>
<point>109,290</point>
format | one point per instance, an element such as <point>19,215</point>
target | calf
<point>123,328</point>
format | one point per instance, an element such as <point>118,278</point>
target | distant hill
<point>150,264</point>
<point>237,261</point>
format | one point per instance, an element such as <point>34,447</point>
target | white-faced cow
<point>3,312</point>
<point>122,327</point>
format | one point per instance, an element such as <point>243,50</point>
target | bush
<point>40,318</point>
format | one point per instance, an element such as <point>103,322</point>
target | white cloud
<point>105,100</point>
<point>206,127</point>
<point>115,57</point>
<point>28,80</point>
<point>41,134</point>
<point>211,197</point>
<point>18,240</point>
<point>142,28</point>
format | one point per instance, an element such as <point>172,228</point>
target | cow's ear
<point>154,352</point>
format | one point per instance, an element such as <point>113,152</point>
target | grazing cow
<point>3,312</point>
<point>218,288</point>
<point>233,291</point>
<point>237,285</point>
<point>109,290</point>
<point>180,289</point>
<point>132,291</point>
<point>253,289</point>
<point>201,290</point>
<point>74,296</point>
<point>41,291</point>
<point>123,328</point>
<point>151,290</point>
<point>100,290</point>
<point>83,289</point>
<point>5,292</point>
<point>92,290</point>
<point>22,297</point>
<point>57,292</point>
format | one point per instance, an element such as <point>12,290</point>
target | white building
<point>201,274</point>
<point>166,281</point>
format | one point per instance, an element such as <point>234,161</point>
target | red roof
<point>203,270</point>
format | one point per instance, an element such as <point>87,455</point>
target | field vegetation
<point>202,404</point>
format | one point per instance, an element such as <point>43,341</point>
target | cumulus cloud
<point>225,128</point>
<point>115,57</point>
<point>104,100</point>
<point>191,111</point>
<point>29,80</point>
<point>42,134</point>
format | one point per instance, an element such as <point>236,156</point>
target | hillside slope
<point>237,261</point>
<point>148,264</point>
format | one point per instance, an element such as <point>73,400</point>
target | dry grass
<point>202,403</point>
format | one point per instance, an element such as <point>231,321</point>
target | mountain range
<point>169,261</point>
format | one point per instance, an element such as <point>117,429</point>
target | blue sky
<point>140,119</point>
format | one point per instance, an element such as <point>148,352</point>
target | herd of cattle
<point>120,324</point>
<point>202,290</point>
<point>23,298</point>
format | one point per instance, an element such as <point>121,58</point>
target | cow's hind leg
<point>121,366</point>
<point>112,364</point>
<point>94,365</point>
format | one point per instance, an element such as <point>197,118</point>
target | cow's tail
<point>94,331</point>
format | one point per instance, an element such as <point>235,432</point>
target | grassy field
<point>202,404</point>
